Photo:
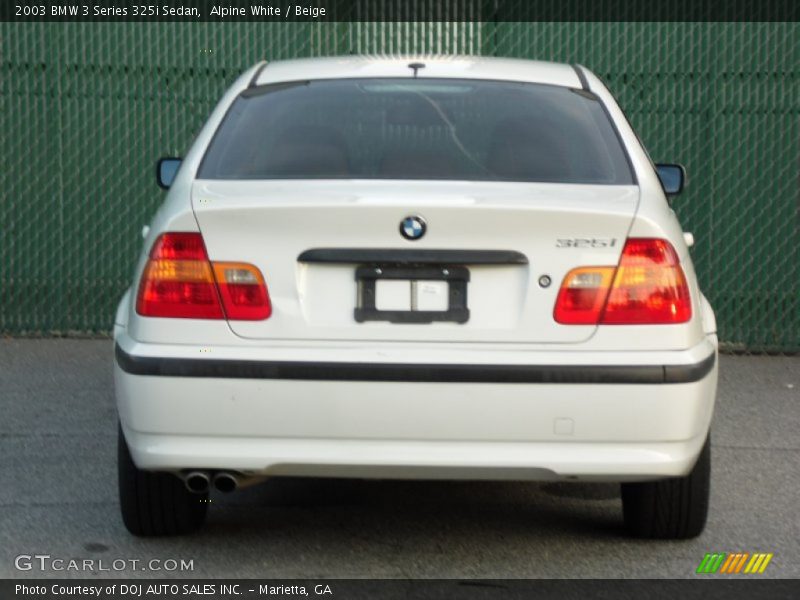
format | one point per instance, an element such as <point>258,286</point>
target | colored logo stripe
<point>711,562</point>
<point>735,562</point>
<point>732,563</point>
<point>758,563</point>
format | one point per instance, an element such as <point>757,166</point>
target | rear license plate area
<point>434,294</point>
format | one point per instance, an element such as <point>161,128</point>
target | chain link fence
<point>86,109</point>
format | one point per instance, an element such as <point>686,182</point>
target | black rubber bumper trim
<point>442,373</point>
<point>689,373</point>
<point>415,256</point>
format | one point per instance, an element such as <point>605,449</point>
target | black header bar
<point>482,11</point>
<point>696,588</point>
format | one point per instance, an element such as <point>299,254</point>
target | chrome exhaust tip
<point>197,482</point>
<point>225,482</point>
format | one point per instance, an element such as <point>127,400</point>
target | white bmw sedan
<point>460,268</point>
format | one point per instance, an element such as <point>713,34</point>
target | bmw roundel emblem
<point>413,228</point>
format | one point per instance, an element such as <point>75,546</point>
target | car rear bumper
<point>631,416</point>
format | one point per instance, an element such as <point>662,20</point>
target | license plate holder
<point>456,277</point>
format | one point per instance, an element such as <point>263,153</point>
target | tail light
<point>583,295</point>
<point>243,291</point>
<point>179,281</point>
<point>647,287</point>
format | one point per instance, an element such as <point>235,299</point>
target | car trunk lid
<point>311,238</point>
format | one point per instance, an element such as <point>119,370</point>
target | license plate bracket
<point>455,276</point>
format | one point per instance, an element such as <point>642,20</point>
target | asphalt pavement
<point>59,496</point>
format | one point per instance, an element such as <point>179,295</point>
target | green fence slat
<point>86,109</point>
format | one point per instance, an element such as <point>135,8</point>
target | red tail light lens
<point>179,246</point>
<point>583,295</point>
<point>179,282</point>
<point>243,291</point>
<point>647,287</point>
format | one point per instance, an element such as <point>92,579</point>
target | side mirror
<point>166,169</point>
<point>673,178</point>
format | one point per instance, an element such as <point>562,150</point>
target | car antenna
<point>416,66</point>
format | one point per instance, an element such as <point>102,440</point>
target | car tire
<point>154,504</point>
<point>670,509</point>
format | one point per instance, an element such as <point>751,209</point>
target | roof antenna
<point>416,67</point>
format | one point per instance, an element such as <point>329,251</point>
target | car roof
<point>456,67</point>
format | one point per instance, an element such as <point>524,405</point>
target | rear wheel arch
<point>674,508</point>
<point>155,504</point>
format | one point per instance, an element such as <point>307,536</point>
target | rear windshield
<point>417,129</point>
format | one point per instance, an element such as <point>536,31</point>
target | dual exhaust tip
<point>199,482</point>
